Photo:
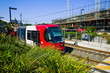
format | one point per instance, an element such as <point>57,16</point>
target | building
<point>99,17</point>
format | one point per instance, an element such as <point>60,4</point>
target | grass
<point>17,57</point>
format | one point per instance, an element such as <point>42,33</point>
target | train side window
<point>29,35</point>
<point>34,36</point>
<point>23,34</point>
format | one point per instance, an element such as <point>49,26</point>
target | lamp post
<point>81,20</point>
<point>10,12</point>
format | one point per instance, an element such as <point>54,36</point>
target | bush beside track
<point>17,57</point>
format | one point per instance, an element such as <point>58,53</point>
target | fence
<point>71,35</point>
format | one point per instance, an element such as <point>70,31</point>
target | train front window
<point>48,36</point>
<point>57,35</point>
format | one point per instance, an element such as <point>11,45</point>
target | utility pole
<point>81,17</point>
<point>72,10</point>
<point>20,19</point>
<point>36,23</point>
<point>109,3</point>
<point>81,20</point>
<point>67,8</point>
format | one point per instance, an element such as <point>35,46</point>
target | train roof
<point>38,27</point>
<point>47,25</point>
<point>44,26</point>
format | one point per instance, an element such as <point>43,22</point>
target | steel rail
<point>79,47</point>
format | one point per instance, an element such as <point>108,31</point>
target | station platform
<point>93,45</point>
<point>103,67</point>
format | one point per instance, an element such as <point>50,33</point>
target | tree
<point>27,24</point>
<point>90,30</point>
<point>3,22</point>
<point>9,27</point>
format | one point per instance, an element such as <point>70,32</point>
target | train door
<point>36,37</point>
<point>21,34</point>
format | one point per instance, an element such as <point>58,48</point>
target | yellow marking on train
<point>103,67</point>
<point>106,61</point>
<point>108,58</point>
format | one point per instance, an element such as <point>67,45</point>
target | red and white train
<point>42,35</point>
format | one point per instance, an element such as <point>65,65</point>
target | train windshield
<point>56,34</point>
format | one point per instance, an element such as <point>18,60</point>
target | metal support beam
<point>10,11</point>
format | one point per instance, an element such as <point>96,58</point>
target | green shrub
<point>73,35</point>
<point>20,58</point>
<point>45,60</point>
<point>108,39</point>
<point>104,34</point>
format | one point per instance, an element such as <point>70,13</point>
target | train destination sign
<point>80,29</point>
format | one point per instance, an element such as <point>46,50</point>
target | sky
<point>40,11</point>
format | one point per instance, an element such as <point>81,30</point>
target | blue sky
<point>31,9</point>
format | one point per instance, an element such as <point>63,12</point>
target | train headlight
<point>62,45</point>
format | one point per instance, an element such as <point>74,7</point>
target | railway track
<point>93,55</point>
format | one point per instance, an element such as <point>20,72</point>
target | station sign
<point>80,29</point>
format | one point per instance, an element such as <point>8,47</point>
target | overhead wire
<point>63,11</point>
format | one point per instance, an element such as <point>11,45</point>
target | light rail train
<point>42,35</point>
